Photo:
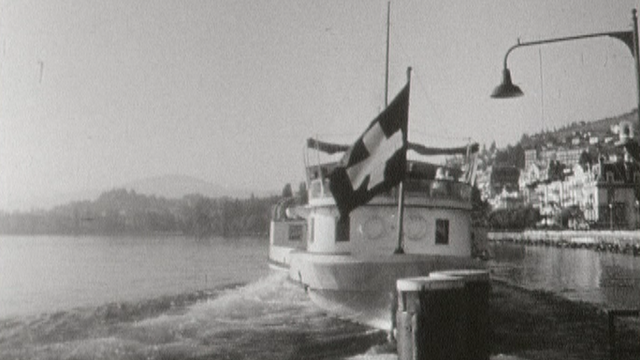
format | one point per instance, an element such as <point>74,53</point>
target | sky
<point>95,94</point>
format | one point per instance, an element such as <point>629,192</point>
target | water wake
<point>267,319</point>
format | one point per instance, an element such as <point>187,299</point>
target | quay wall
<point>603,240</point>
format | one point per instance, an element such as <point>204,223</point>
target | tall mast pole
<point>400,248</point>
<point>386,73</point>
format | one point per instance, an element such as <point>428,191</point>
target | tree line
<point>125,212</point>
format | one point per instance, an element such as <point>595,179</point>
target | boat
<point>372,216</point>
<point>349,265</point>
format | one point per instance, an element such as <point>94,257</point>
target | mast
<point>400,248</point>
<point>386,73</point>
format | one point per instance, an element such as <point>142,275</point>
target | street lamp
<point>508,90</point>
<point>611,215</point>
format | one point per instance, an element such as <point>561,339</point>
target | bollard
<point>429,318</point>
<point>475,312</point>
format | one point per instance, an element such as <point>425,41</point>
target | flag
<point>377,161</point>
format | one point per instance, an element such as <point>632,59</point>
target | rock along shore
<point>602,240</point>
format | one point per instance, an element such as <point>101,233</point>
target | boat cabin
<point>436,215</point>
<point>288,233</point>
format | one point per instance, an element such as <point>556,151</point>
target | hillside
<point>177,186</point>
<point>126,212</point>
<point>582,134</point>
<point>166,186</point>
<point>595,128</point>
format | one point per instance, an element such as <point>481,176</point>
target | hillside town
<point>582,177</point>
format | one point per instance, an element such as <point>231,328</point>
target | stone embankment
<point>627,242</point>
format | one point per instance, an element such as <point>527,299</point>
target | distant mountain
<point>167,186</point>
<point>177,186</point>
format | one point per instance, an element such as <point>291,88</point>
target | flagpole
<point>386,72</point>
<point>400,248</point>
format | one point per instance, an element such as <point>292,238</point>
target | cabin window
<point>295,232</point>
<point>311,231</point>
<point>342,228</point>
<point>442,232</point>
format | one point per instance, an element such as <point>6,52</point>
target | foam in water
<point>267,319</point>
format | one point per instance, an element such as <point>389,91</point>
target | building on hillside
<point>528,182</point>
<point>530,157</point>
<point>507,200</point>
<point>617,195</point>
<point>590,175</point>
<point>606,194</point>
<point>569,156</point>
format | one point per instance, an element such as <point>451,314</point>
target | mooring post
<point>612,336</point>
<point>475,311</point>
<point>429,319</point>
<point>613,350</point>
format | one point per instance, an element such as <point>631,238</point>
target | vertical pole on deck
<point>400,248</point>
<point>386,71</point>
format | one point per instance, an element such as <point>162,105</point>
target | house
<point>616,197</point>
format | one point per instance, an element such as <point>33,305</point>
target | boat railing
<point>279,211</point>
<point>319,188</point>
<point>438,189</point>
<point>414,188</point>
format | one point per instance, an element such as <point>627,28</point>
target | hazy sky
<point>98,93</point>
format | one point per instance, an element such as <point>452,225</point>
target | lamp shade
<point>506,89</point>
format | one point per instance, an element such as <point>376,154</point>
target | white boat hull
<point>363,290</point>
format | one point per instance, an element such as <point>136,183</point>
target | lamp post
<point>637,214</point>
<point>509,90</point>
<point>611,215</point>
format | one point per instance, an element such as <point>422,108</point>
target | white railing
<point>435,189</point>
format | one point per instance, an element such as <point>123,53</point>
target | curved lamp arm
<point>624,36</point>
<point>508,90</point>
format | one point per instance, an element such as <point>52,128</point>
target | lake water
<point>175,298</point>
<point>608,280</point>
<point>39,274</point>
<point>161,298</point>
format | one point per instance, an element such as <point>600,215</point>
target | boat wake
<point>267,319</point>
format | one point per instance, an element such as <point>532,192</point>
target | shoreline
<point>578,236</point>
<point>627,242</point>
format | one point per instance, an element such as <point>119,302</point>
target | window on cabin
<point>442,232</point>
<point>342,228</point>
<point>311,231</point>
<point>295,232</point>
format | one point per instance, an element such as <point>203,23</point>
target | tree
<point>286,191</point>
<point>480,208</point>
<point>585,160</point>
<point>493,147</point>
